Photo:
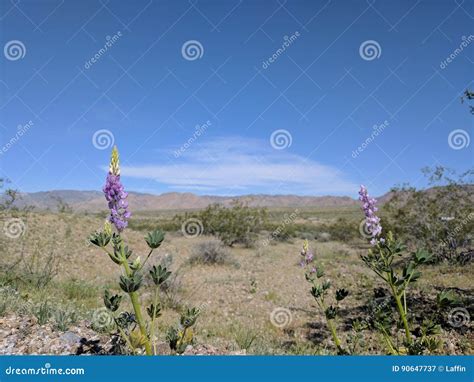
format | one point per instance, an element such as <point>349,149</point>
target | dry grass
<point>236,302</point>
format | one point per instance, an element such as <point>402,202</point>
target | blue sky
<point>239,111</point>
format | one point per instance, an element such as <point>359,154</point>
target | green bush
<point>440,219</point>
<point>237,224</point>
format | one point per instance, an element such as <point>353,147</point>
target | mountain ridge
<point>94,200</point>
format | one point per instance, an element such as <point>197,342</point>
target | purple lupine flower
<point>372,221</point>
<point>308,256</point>
<point>116,195</point>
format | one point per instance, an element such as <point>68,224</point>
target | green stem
<point>137,310</point>
<point>152,329</point>
<point>331,327</point>
<point>388,341</point>
<point>402,314</point>
<point>335,338</point>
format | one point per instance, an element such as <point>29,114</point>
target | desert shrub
<point>440,219</point>
<point>341,230</point>
<point>211,252</point>
<point>237,224</point>
<point>307,235</point>
<point>323,236</point>
<point>39,268</point>
<point>133,332</point>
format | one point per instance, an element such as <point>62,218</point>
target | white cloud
<point>240,165</point>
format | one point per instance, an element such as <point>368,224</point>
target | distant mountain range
<point>94,200</point>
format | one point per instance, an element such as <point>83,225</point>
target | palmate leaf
<point>155,238</point>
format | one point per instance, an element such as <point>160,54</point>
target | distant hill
<point>94,200</point>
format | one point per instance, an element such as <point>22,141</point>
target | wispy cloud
<point>239,165</point>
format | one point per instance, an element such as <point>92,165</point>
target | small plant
<point>43,312</point>
<point>253,285</point>
<point>63,318</point>
<point>135,331</point>
<point>211,252</point>
<point>180,336</point>
<point>382,259</point>
<point>320,290</point>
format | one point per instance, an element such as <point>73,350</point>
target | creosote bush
<point>237,224</point>
<point>134,331</point>
<point>440,219</point>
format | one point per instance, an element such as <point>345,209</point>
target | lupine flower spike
<point>116,195</point>
<point>134,330</point>
<point>372,221</point>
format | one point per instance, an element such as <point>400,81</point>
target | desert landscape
<point>237,177</point>
<point>243,273</point>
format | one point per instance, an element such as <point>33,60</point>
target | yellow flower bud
<point>108,228</point>
<point>114,167</point>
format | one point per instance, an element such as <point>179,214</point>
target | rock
<point>70,338</point>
